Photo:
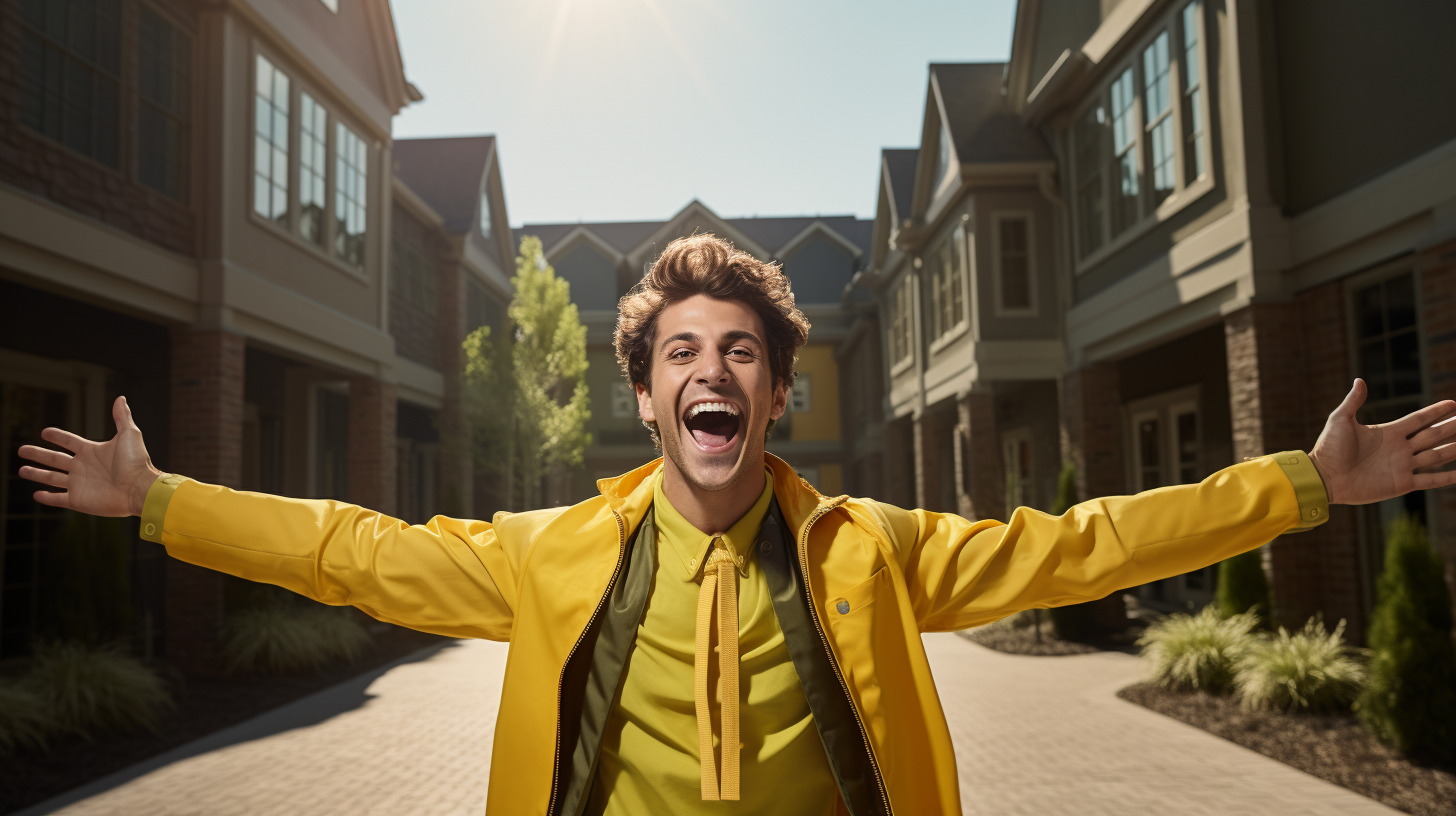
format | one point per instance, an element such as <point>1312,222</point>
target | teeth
<point>712,406</point>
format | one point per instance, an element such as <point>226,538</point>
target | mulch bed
<point>1334,748</point>
<point>204,705</point>
<point>1023,640</point>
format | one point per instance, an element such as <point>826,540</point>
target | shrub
<point>291,638</point>
<point>92,689</point>
<point>88,578</point>
<point>25,721</point>
<point>1310,671</point>
<point>1410,699</point>
<point>1197,652</point>
<point>1242,586</point>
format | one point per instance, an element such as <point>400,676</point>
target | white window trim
<point>999,308</point>
<point>1185,191</point>
<point>803,387</point>
<point>1009,440</point>
<point>1164,407</point>
<point>960,266</point>
<point>903,364</point>
<point>1380,274</point>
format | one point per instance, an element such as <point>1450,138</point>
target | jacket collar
<point>630,495</point>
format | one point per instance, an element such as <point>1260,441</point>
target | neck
<point>712,511</point>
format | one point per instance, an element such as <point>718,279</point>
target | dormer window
<point>942,160</point>
<point>485,215</point>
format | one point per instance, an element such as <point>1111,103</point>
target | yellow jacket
<point>878,577</point>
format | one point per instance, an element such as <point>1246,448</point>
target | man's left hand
<point>1361,464</point>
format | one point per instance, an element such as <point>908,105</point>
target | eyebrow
<point>690,337</point>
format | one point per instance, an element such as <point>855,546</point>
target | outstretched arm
<point>961,573</point>
<point>449,576</point>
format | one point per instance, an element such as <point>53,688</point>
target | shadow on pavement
<point>316,708</point>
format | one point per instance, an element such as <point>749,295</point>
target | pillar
<point>372,444</point>
<point>981,493</point>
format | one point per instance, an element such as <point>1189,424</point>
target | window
<point>416,277</point>
<point>947,286</point>
<point>1387,346</point>
<point>164,104</point>
<point>1156,81</point>
<point>1012,250</point>
<point>313,137</point>
<point>1142,137</point>
<point>270,143</point>
<point>351,177</point>
<point>624,400</point>
<point>485,214</point>
<point>1166,449</point>
<point>801,394</point>
<point>70,65</point>
<point>900,323</point>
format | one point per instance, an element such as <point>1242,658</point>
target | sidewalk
<point>1042,735</point>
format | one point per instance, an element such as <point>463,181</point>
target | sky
<point>626,110</point>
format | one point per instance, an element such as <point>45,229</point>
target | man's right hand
<point>100,478</point>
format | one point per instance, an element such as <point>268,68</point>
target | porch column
<point>982,491</point>
<point>206,445</point>
<point>372,446</point>
<point>1091,439</point>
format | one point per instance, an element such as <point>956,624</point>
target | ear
<point>644,403</point>
<point>780,399</point>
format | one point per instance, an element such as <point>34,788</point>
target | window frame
<point>96,73</point>
<point>1185,190</point>
<point>1000,308</point>
<point>338,161</point>
<point>487,212</point>
<point>959,273</point>
<point>290,187</point>
<point>624,401</point>
<point>1374,277</point>
<point>902,311</point>
<point>185,144</point>
<point>801,393</point>
<point>1020,487</point>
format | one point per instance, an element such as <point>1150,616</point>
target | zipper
<point>561,681</point>
<point>823,638</point>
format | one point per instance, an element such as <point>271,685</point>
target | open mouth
<point>713,425</point>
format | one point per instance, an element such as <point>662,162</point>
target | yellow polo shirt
<point>648,762</point>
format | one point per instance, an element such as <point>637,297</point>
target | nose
<point>711,370</point>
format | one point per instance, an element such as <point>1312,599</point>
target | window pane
<point>163,107</point>
<point>1015,274</point>
<point>1400,302</point>
<point>485,214</point>
<point>1087,141</point>
<point>350,192</point>
<point>1371,315</point>
<point>1374,370</point>
<point>270,147</point>
<point>1126,178</point>
<point>1149,454</point>
<point>311,168</point>
<point>1405,364</point>
<point>1193,136</point>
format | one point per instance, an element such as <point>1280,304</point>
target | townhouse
<point>1228,218</point>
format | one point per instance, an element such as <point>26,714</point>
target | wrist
<point>1324,479</point>
<point>141,486</point>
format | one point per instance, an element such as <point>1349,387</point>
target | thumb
<point>1353,400</point>
<point>121,414</point>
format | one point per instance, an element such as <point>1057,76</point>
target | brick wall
<point>1091,430</point>
<point>372,447</point>
<point>38,165</point>
<point>1437,271</point>
<point>206,444</point>
<point>983,473</point>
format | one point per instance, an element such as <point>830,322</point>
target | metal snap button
<point>842,607</point>
<point>151,529</point>
<point>765,546</point>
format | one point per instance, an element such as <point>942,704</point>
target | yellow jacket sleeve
<point>448,576</point>
<point>961,573</point>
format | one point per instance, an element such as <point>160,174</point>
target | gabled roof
<point>447,174</point>
<point>899,178</point>
<point>983,126</point>
<point>623,236</point>
<point>772,233</point>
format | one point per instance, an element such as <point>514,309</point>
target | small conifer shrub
<point>1242,586</point>
<point>1410,699</point>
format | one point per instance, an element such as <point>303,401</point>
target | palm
<point>1362,464</point>
<point>99,478</point>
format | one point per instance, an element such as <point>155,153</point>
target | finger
<point>1431,481</point>
<point>65,439</point>
<point>53,499</point>
<point>45,456</point>
<point>1435,457</point>
<point>1427,416</point>
<point>51,478</point>
<point>121,414</point>
<point>1352,401</point>
<point>1434,435</point>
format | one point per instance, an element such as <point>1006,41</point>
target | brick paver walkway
<point>1041,735</point>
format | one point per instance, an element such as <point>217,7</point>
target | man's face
<point>712,392</point>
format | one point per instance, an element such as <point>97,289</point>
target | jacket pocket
<point>861,620</point>
<point>858,596</point>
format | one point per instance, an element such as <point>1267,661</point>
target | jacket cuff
<point>1309,489</point>
<point>154,509</point>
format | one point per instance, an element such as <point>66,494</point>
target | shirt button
<point>1314,512</point>
<point>765,546</point>
<point>842,607</point>
<point>151,529</point>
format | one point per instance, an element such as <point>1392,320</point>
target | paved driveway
<point>1042,735</point>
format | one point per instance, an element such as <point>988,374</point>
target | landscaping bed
<point>1333,747</point>
<point>203,706</point>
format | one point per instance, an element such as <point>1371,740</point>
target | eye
<point>680,354</point>
<point>741,353</point>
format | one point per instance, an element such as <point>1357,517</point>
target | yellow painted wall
<point>821,421</point>
<point>831,479</point>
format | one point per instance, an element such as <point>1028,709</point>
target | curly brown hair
<point>705,264</point>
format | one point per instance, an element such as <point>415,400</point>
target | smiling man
<point>710,635</point>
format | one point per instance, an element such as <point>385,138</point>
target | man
<point>710,635</point>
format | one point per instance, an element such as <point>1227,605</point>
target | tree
<point>527,395</point>
<point>1409,700</point>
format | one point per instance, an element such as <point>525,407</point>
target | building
<point>1228,243</point>
<point>198,209</point>
<point>602,261</point>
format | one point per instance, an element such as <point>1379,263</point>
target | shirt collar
<point>691,544</point>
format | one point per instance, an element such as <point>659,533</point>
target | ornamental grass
<point>1311,671</point>
<point>90,690</point>
<point>1197,652</point>
<point>292,639</point>
<point>25,722</point>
